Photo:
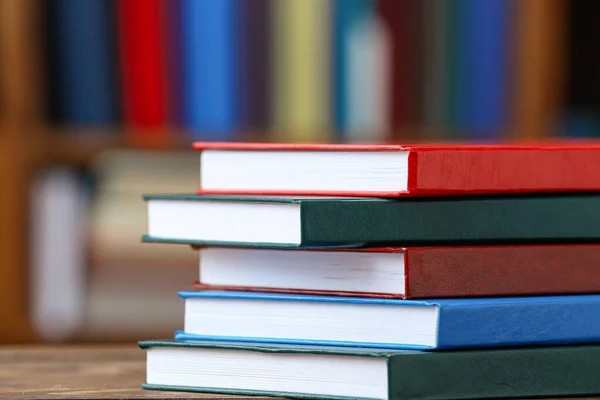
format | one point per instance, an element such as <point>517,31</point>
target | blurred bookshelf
<point>101,100</point>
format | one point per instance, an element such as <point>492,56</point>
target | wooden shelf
<point>79,147</point>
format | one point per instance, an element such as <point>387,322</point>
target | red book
<point>419,272</point>
<point>403,21</point>
<point>397,170</point>
<point>141,29</point>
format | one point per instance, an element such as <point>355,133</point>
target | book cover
<point>468,271</point>
<point>559,166</point>
<point>498,373</point>
<point>210,57</point>
<point>459,323</point>
<point>360,222</point>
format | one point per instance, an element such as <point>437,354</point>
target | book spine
<point>367,81</point>
<point>501,271</point>
<point>301,95</point>
<point>85,54</point>
<point>435,63</point>
<point>394,15</point>
<point>174,63</point>
<point>209,64</point>
<point>540,67</point>
<point>488,66</point>
<point>346,15</point>
<point>142,65</point>
<point>255,66</point>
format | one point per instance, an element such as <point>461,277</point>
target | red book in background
<point>141,33</point>
<point>403,22</point>
<point>414,272</point>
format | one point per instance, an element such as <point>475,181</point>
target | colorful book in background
<point>435,64</point>
<point>301,70</point>
<point>57,290</point>
<point>143,69</point>
<point>459,54</point>
<point>317,372</point>
<point>347,15</point>
<point>403,21</point>
<point>437,324</point>
<point>540,63</point>
<point>83,74</point>
<point>582,108</point>
<point>413,272</point>
<point>210,63</point>
<point>254,81</point>
<point>317,222</point>
<point>487,70</point>
<point>173,41</point>
<point>368,78</point>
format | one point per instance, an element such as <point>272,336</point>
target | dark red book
<point>403,20</point>
<point>419,272</point>
<point>397,170</point>
<point>141,32</point>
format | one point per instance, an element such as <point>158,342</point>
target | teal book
<point>293,222</point>
<point>315,372</point>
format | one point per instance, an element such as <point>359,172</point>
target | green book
<point>329,221</point>
<point>362,373</point>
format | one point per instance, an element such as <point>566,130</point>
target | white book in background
<point>58,252</point>
<point>368,82</point>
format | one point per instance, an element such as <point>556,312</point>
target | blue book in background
<point>346,15</point>
<point>458,55</point>
<point>85,62</point>
<point>210,68</point>
<point>385,323</point>
<point>487,41</point>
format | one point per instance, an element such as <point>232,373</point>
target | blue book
<point>386,323</point>
<point>458,54</point>
<point>347,14</point>
<point>210,68</point>
<point>85,62</point>
<point>487,42</point>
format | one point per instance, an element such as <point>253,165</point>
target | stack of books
<point>386,272</point>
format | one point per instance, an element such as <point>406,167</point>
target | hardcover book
<point>414,272</point>
<point>388,323</point>
<point>294,222</point>
<point>365,373</point>
<point>394,170</point>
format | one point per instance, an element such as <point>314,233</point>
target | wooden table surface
<point>81,372</point>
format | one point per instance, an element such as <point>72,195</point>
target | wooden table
<point>81,372</point>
